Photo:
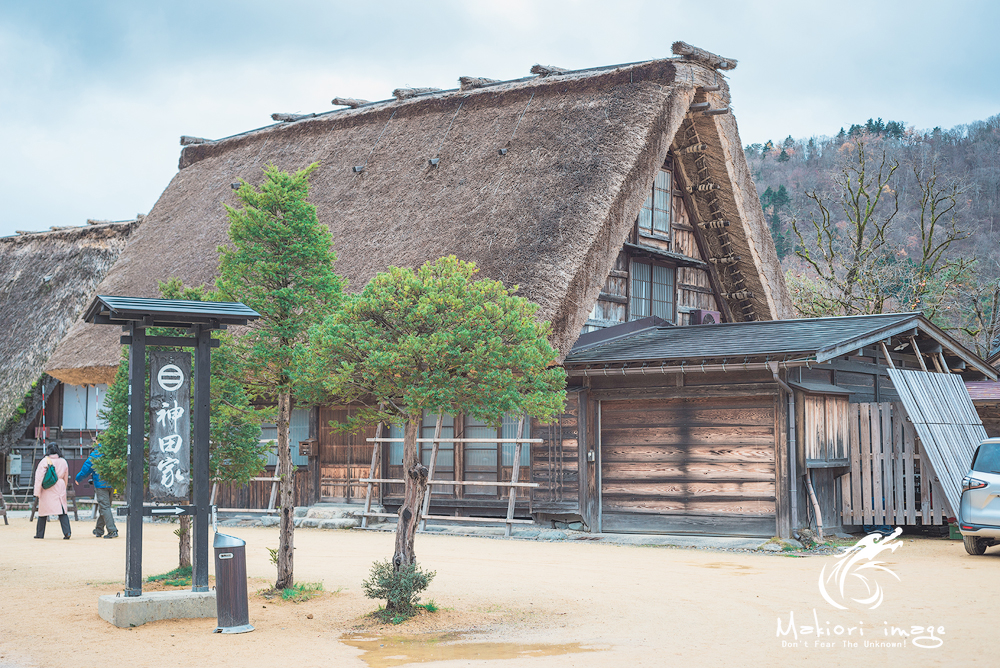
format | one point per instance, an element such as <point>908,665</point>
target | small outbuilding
<point>760,428</point>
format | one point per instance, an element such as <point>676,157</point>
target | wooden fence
<point>887,484</point>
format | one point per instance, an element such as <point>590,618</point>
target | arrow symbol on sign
<point>168,511</point>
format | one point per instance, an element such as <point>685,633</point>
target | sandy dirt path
<point>504,603</point>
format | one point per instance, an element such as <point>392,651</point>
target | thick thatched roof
<point>538,181</point>
<point>46,280</point>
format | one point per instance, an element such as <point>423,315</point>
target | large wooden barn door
<point>698,465</point>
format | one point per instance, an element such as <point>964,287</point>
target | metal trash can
<point>231,584</point>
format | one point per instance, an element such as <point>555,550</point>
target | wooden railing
<point>509,520</point>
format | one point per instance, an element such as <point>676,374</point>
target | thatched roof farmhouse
<point>539,181</point>
<point>46,280</point>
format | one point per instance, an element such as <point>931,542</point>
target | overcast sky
<point>94,95</point>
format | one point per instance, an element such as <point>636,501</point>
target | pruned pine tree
<point>279,263</point>
<point>435,340</point>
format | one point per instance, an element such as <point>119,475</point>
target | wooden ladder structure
<point>509,520</point>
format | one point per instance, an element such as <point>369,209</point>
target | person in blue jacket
<point>105,519</point>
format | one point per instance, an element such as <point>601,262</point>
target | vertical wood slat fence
<point>887,483</point>
<point>509,520</point>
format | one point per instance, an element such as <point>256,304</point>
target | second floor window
<point>654,218</point>
<point>651,291</point>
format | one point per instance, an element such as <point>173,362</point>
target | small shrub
<point>399,589</point>
<point>301,592</point>
<point>179,577</point>
<point>429,606</point>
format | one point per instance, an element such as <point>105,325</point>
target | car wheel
<point>975,545</point>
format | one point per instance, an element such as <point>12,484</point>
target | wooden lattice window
<point>651,291</point>
<point>654,217</point>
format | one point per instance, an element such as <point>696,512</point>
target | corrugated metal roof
<point>180,311</point>
<point>946,422</point>
<point>789,339</point>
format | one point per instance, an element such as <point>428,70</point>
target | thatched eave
<point>46,279</point>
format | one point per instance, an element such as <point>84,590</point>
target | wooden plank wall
<point>689,465</point>
<point>257,493</point>
<point>886,484</point>
<point>694,290</point>
<point>825,426</point>
<point>343,456</point>
<point>989,413</point>
<point>555,464</point>
<point>611,304</point>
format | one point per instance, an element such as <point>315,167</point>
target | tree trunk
<point>184,546</point>
<point>286,495</point>
<point>415,474</point>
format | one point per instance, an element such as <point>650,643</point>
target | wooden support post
<point>430,471</point>
<point>916,351</point>
<point>274,495</point>
<point>937,364</point>
<point>885,351</point>
<point>201,458</point>
<point>944,363</point>
<point>371,474</point>
<point>512,496</point>
<point>136,459</point>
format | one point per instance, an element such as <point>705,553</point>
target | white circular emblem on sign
<point>170,377</point>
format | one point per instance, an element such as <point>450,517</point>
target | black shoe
<point>112,535</point>
<point>97,533</point>
<point>40,537</point>
<point>65,537</point>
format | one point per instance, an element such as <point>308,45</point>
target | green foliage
<point>273,551</point>
<point>429,606</point>
<point>890,129</point>
<point>302,592</point>
<point>775,200</point>
<point>435,339</point>
<point>112,466</point>
<point>281,265</point>
<point>399,589</point>
<point>179,577</point>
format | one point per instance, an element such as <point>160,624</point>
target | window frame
<point>648,298</point>
<point>652,232</point>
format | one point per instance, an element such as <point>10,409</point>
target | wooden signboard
<point>169,426</point>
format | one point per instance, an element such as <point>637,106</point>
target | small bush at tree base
<point>399,589</point>
<point>179,577</point>
<point>302,591</point>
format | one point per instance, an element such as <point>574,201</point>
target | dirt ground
<point>504,603</point>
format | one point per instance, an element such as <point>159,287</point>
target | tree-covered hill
<point>884,217</point>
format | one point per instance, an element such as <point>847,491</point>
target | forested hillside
<point>882,217</point>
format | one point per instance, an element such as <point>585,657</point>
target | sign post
<point>136,457</point>
<point>172,453</point>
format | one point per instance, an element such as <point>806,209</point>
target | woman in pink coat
<point>52,501</point>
